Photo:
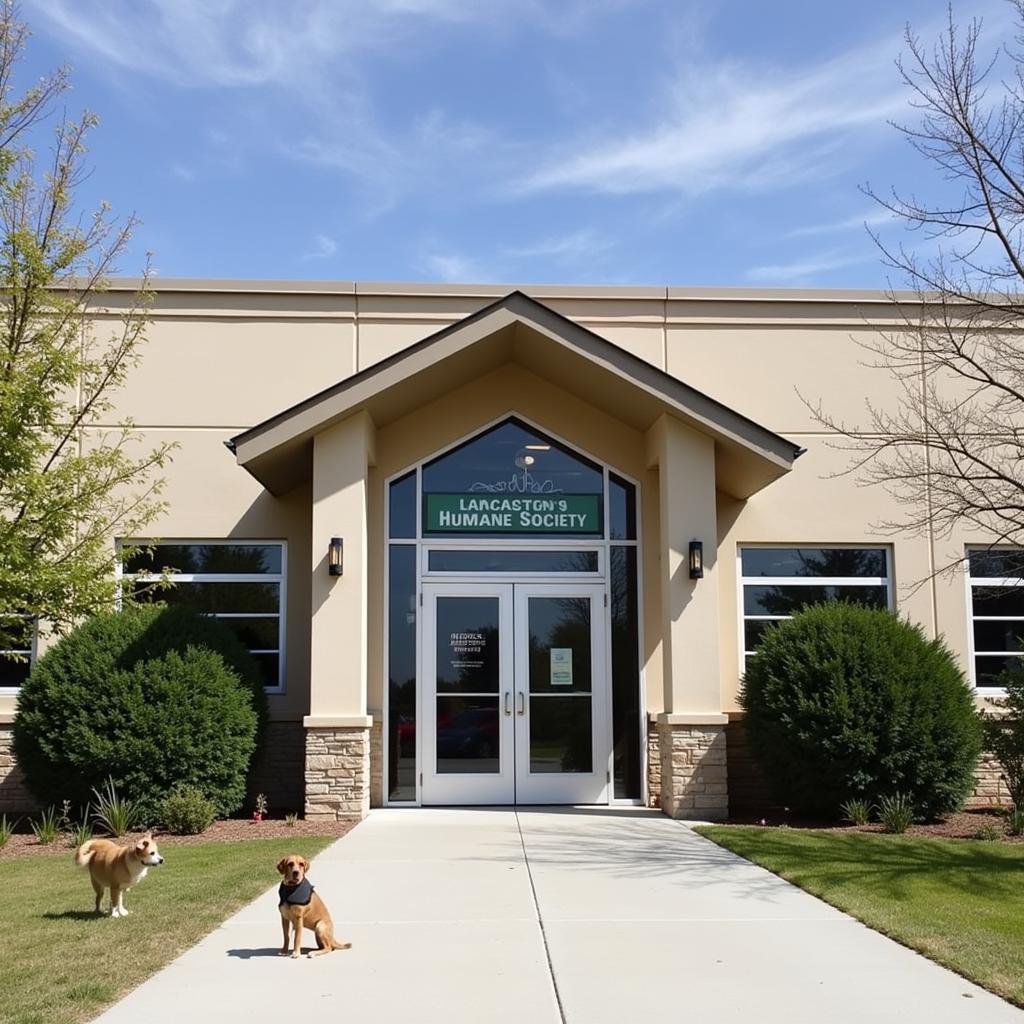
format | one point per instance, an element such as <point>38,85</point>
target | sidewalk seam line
<point>540,922</point>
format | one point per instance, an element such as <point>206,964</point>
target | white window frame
<point>970,582</point>
<point>32,652</point>
<point>802,581</point>
<point>280,578</point>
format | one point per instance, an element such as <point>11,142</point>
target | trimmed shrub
<point>850,703</point>
<point>186,812</point>
<point>151,697</point>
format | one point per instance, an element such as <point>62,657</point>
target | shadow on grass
<point>75,915</point>
<point>248,954</point>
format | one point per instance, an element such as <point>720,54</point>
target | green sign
<point>520,513</point>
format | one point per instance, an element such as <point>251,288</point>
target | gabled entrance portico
<point>352,442</point>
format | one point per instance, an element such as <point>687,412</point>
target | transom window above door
<point>512,480</point>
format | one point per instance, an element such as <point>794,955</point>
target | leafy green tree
<point>69,480</point>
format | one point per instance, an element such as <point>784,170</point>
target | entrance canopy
<point>520,330</point>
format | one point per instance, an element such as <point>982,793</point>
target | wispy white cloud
<point>196,43</point>
<point>870,219</point>
<point>576,245</point>
<point>447,265</point>
<point>736,125</point>
<point>323,248</point>
<point>183,172</point>
<point>804,270</point>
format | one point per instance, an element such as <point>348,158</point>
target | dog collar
<point>296,895</point>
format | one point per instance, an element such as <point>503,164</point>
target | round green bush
<point>844,702</point>
<point>153,697</point>
<point>186,812</point>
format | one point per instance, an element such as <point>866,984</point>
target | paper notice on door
<point>561,666</point>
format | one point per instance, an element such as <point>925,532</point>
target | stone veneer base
<point>14,794</point>
<point>337,772</point>
<point>694,782</point>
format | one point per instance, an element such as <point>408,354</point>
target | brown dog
<point>117,868</point>
<point>301,908</point>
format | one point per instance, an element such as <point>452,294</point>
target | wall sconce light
<point>336,556</point>
<point>696,560</point>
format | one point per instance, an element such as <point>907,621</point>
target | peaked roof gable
<point>482,340</point>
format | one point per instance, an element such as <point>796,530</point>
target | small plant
<point>6,831</point>
<point>261,807</point>
<point>187,811</point>
<point>81,831</point>
<point>290,820</point>
<point>896,813</point>
<point>115,814</point>
<point>988,833</point>
<point>1015,822</point>
<point>857,812</point>
<point>48,827</point>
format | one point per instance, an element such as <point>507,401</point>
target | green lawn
<point>959,902</point>
<point>60,963</point>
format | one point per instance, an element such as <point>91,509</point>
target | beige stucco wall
<point>223,356</point>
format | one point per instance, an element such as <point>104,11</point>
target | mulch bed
<point>962,825</point>
<point>230,830</point>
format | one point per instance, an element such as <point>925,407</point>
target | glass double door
<point>515,694</point>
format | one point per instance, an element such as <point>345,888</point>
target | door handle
<point>522,702</point>
<point>508,703</point>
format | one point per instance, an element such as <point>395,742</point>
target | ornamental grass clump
<point>896,813</point>
<point>46,828</point>
<point>846,703</point>
<point>857,812</point>
<point>115,814</point>
<point>147,699</point>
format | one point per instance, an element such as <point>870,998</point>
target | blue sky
<point>540,141</point>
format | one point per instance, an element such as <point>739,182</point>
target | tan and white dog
<point>301,908</point>
<point>117,868</point>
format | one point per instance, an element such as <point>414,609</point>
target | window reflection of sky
<point>511,458</point>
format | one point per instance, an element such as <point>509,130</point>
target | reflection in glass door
<point>561,733</point>
<point>468,739</point>
<point>515,694</point>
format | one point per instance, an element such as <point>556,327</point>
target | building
<point>497,547</point>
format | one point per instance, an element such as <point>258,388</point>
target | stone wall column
<point>337,768</point>
<point>14,794</point>
<point>694,779</point>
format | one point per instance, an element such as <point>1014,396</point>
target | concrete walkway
<point>542,916</point>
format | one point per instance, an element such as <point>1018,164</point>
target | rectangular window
<point>242,584</point>
<point>511,560</point>
<point>996,583</point>
<point>778,582</point>
<point>17,649</point>
<point>402,672</point>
